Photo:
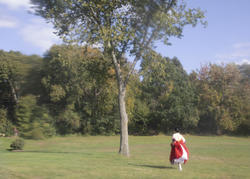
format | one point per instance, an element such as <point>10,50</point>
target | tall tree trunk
<point>124,147</point>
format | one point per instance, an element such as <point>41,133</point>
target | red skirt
<point>179,153</point>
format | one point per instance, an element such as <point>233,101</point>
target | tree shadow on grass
<point>153,166</point>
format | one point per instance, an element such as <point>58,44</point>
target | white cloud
<point>39,34</point>
<point>243,61</point>
<point>239,53</point>
<point>234,55</point>
<point>15,4</point>
<point>7,22</point>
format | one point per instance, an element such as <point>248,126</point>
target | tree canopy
<point>119,27</point>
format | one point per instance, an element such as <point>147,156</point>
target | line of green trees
<point>73,90</point>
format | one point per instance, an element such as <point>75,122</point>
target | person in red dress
<point>179,152</point>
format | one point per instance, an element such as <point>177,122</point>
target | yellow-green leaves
<point>57,93</point>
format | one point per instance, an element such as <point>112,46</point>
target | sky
<point>226,39</point>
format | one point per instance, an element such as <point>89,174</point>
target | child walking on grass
<point>179,152</point>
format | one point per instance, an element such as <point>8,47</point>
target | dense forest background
<point>73,90</point>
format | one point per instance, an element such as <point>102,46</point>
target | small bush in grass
<point>17,144</point>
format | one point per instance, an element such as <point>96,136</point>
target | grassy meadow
<point>79,157</point>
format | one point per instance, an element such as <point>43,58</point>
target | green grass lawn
<point>97,157</point>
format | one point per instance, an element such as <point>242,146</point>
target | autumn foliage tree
<point>219,100</point>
